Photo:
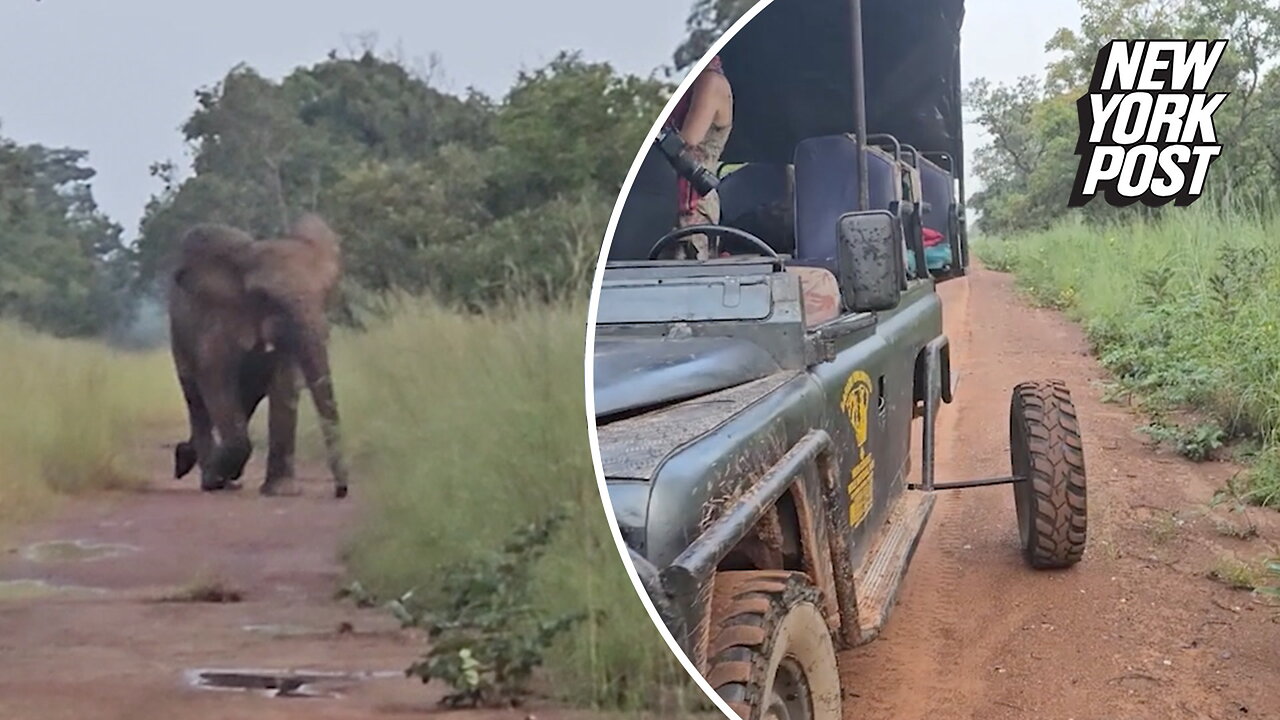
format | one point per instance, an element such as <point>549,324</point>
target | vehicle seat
<point>650,211</point>
<point>888,184</point>
<point>826,188</point>
<point>821,293</point>
<point>938,188</point>
<point>884,183</point>
<point>757,198</point>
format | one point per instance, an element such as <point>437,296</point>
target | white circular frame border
<point>589,364</point>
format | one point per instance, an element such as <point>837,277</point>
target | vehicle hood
<point>636,373</point>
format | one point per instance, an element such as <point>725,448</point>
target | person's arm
<point>708,93</point>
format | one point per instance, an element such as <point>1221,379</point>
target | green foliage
<point>570,127</point>
<point>1262,480</point>
<point>62,265</point>
<point>407,226</point>
<point>465,426</point>
<point>707,21</point>
<point>1237,574</point>
<point>1029,165</point>
<point>265,151</point>
<point>1272,569</point>
<point>1031,159</point>
<point>457,197</point>
<point>486,637</point>
<point>1198,442</point>
<point>1181,310</point>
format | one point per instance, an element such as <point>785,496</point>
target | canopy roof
<point>792,73</point>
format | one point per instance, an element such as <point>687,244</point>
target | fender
<point>683,580</point>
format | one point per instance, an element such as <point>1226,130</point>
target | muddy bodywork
<point>681,455</point>
<point>739,429</point>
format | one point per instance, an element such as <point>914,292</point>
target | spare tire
<point>1045,450</point>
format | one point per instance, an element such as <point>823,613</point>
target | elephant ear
<point>212,261</point>
<point>297,272</point>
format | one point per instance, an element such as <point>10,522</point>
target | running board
<point>878,580</point>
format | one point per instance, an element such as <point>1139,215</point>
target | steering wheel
<point>676,235</point>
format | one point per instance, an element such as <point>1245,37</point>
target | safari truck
<point>755,411</point>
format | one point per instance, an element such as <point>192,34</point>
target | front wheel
<point>1045,449</point>
<point>772,657</point>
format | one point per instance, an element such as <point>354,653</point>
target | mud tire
<point>768,628</point>
<point>1045,448</point>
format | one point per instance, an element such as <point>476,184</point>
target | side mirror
<point>870,261</point>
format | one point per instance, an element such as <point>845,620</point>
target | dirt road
<point>84,635</point>
<point>1136,631</point>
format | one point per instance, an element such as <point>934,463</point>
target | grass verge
<point>466,427</point>
<point>70,415</point>
<point>1182,310</point>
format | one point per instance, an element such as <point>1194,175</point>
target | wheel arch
<point>793,536</point>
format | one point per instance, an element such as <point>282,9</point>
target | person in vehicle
<point>704,118</point>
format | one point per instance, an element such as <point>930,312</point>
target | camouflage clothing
<point>695,209</point>
<point>706,209</point>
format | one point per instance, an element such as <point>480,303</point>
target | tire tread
<point>746,604</point>
<point>1051,426</point>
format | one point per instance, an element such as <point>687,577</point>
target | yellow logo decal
<point>860,490</point>
<point>855,402</point>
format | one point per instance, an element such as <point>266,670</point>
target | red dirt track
<point>1135,631</point>
<point>122,655</point>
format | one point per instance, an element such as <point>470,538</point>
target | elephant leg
<point>257,369</point>
<point>282,430</point>
<point>199,445</point>
<point>222,398</point>
<point>313,357</point>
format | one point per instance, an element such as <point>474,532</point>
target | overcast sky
<point>117,77</point>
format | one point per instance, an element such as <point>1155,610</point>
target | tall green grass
<point>1184,310</point>
<point>72,416</point>
<point>466,427</point>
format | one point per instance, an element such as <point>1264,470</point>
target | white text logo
<point>1146,124</point>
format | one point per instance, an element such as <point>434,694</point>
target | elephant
<point>245,316</point>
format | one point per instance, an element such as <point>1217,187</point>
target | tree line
<point>1028,166</point>
<point>466,198</point>
<point>63,266</point>
<point>472,199</point>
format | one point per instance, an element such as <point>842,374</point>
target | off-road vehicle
<point>755,412</point>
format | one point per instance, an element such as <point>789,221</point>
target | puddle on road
<point>35,589</point>
<point>282,631</point>
<point>281,683</point>
<point>74,551</point>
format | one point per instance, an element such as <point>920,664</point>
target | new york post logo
<point>1146,124</point>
